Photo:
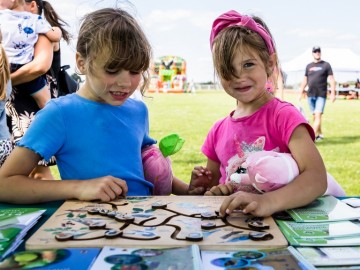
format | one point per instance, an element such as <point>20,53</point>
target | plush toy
<point>269,170</point>
<point>157,163</point>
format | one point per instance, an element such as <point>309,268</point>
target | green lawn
<point>192,115</point>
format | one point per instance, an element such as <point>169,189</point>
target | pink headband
<point>232,18</point>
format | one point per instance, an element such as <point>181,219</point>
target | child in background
<point>20,31</point>
<point>97,133</point>
<point>244,58</point>
<point>6,145</point>
<point>20,104</point>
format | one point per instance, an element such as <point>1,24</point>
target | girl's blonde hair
<point>115,34</point>
<point>232,39</point>
<point>277,68</point>
<point>5,71</point>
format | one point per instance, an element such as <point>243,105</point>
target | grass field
<point>192,115</point>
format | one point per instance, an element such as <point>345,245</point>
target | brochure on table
<point>322,242</point>
<point>184,258</point>
<point>52,259</point>
<point>16,222</point>
<point>280,258</point>
<point>331,256</point>
<point>309,234</point>
<point>324,209</point>
<point>19,215</point>
<point>354,202</point>
<point>320,229</point>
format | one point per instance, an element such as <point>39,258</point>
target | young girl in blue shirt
<point>97,133</point>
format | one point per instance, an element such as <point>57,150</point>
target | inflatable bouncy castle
<point>168,75</point>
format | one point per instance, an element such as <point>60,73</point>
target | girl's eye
<point>134,72</point>
<point>115,72</point>
<point>111,72</point>
<point>248,65</point>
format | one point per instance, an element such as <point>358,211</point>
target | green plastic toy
<point>171,144</point>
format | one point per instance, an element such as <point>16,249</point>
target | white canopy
<point>344,62</point>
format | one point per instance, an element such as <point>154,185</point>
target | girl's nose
<point>123,80</point>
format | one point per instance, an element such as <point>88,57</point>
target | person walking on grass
<point>317,73</point>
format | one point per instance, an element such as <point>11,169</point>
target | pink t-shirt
<point>230,140</point>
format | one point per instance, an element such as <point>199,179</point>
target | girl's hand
<point>255,204</point>
<point>105,189</point>
<point>200,180</point>
<point>220,190</point>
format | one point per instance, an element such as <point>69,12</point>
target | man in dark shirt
<point>316,75</point>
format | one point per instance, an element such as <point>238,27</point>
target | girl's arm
<point>54,35</point>
<point>179,187</point>
<point>311,182</point>
<point>18,188</point>
<point>305,188</point>
<point>38,66</point>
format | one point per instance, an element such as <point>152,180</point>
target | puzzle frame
<point>155,222</point>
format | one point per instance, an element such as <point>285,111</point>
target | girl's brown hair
<point>52,17</point>
<point>232,39</point>
<point>4,71</point>
<point>115,34</point>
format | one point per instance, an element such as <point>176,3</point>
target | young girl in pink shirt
<point>244,57</point>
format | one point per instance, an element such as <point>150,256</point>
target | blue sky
<point>183,27</point>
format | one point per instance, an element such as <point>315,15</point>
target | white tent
<point>344,62</point>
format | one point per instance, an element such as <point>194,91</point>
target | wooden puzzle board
<point>140,222</point>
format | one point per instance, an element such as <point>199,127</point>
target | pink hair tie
<point>232,18</point>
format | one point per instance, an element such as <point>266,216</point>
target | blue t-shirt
<point>91,139</point>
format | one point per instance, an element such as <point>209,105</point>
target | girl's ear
<point>272,64</point>
<point>33,7</point>
<point>272,61</point>
<point>80,63</point>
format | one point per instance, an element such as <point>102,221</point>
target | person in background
<point>44,7</point>
<point>191,87</point>
<point>20,30</point>
<point>99,124</point>
<point>317,73</point>
<point>355,94</point>
<point>21,109</point>
<point>6,145</point>
<point>244,57</point>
